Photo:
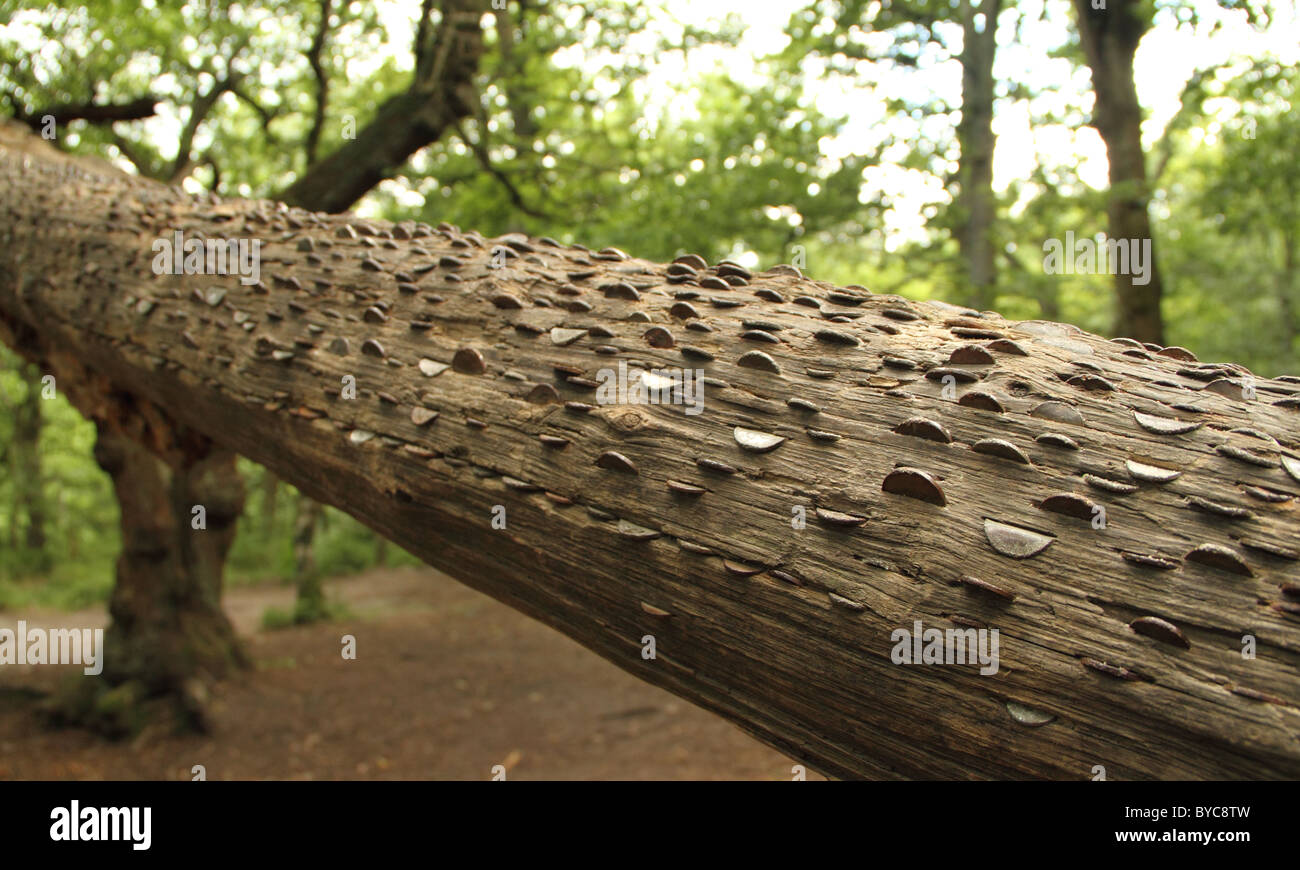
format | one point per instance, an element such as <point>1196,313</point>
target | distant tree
<point>966,32</point>
<point>309,605</point>
<point>27,518</point>
<point>1109,36</point>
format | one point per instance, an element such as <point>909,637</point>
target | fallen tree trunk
<point>955,469</point>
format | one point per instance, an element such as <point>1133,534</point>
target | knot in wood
<point>629,420</point>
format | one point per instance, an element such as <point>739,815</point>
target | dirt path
<point>447,684</point>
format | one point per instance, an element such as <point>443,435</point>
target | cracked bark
<point>473,394</point>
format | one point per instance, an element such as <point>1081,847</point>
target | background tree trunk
<point>943,483</point>
<point>1287,291</point>
<point>1110,39</point>
<point>28,529</point>
<point>310,603</point>
<point>270,492</point>
<point>976,139</point>
<point>168,635</point>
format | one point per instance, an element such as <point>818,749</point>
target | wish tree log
<point>1122,515</point>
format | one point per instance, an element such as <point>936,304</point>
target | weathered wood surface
<point>471,395</point>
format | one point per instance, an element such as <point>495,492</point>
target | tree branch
<point>485,160</point>
<point>199,111</point>
<point>143,163</point>
<point>441,92</point>
<point>267,115</point>
<point>312,144</point>
<point>94,113</point>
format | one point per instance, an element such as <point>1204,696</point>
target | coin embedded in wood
<point>1014,541</point>
<point>468,361</point>
<point>755,441</point>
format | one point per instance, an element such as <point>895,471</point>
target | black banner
<point>130,821</point>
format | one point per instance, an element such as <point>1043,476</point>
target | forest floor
<point>447,684</point>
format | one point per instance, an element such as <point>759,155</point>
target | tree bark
<point>975,135</point>
<point>477,440</point>
<point>1110,38</point>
